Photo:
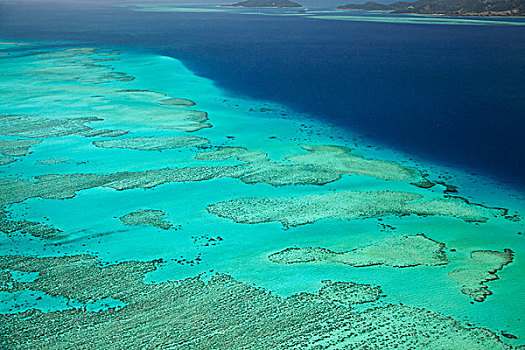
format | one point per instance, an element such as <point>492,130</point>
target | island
<point>446,7</point>
<point>367,6</point>
<point>266,3</point>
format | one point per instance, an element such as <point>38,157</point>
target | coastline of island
<point>463,8</point>
<point>266,3</point>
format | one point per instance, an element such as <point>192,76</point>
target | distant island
<point>266,3</point>
<point>447,7</point>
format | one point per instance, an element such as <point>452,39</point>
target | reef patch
<point>395,251</point>
<point>480,269</point>
<point>350,293</point>
<point>15,190</point>
<point>176,102</point>
<point>145,217</point>
<point>322,165</point>
<point>6,160</point>
<point>40,127</point>
<point>153,143</point>
<point>189,121</point>
<point>162,98</point>
<point>294,211</point>
<point>53,161</point>
<point>219,314</point>
<point>17,148</point>
<point>35,229</point>
<point>341,160</point>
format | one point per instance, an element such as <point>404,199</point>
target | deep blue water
<point>451,94</point>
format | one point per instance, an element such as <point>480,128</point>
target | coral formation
<point>219,314</point>
<point>40,127</point>
<point>53,161</point>
<point>479,269</point>
<point>349,293</point>
<point>176,102</point>
<point>36,229</point>
<point>162,98</point>
<point>14,190</point>
<point>294,211</point>
<point>17,148</point>
<point>147,217</point>
<point>152,143</point>
<point>185,121</point>
<point>6,160</point>
<point>340,159</point>
<point>321,165</point>
<point>396,251</point>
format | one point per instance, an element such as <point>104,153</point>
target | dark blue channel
<point>451,94</point>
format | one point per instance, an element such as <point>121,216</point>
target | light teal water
<point>60,88</point>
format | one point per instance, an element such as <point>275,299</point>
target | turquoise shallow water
<point>76,86</point>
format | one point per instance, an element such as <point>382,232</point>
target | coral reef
<point>396,251</point>
<point>143,93</point>
<point>340,159</point>
<point>219,314</point>
<point>152,143</point>
<point>53,161</point>
<point>349,293</point>
<point>15,190</point>
<point>6,160</point>
<point>176,102</point>
<point>294,211</point>
<point>17,148</point>
<point>147,217</point>
<point>40,127</point>
<point>36,229</point>
<point>480,269</point>
<point>185,121</point>
<point>162,98</point>
<point>323,164</point>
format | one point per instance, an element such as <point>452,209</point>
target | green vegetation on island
<point>266,3</point>
<point>446,7</point>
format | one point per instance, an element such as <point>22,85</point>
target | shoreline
<point>466,15</point>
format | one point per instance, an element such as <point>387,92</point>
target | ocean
<point>190,176</point>
<point>450,94</point>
